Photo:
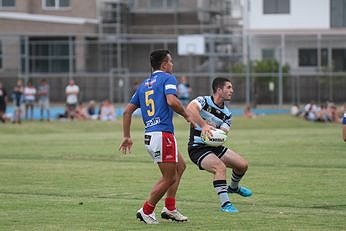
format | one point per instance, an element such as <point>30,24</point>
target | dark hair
<point>219,82</point>
<point>157,57</point>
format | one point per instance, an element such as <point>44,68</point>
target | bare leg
<point>169,172</point>
<point>172,191</point>
<point>214,165</point>
<point>235,161</point>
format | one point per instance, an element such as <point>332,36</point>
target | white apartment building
<point>308,35</point>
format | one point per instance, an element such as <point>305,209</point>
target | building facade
<point>104,44</point>
<point>308,35</point>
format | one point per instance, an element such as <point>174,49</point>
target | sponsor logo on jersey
<point>152,122</point>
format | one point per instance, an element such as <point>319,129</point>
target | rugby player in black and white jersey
<point>208,113</point>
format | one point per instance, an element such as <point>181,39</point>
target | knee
<point>171,180</point>
<point>181,168</point>
<point>243,166</point>
<point>220,169</point>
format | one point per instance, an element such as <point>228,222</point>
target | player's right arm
<point>126,143</point>
<point>176,105</point>
<point>193,109</point>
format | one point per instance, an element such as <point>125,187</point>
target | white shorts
<point>162,147</point>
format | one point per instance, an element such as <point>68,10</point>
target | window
<point>276,6</point>
<point>339,59</point>
<point>0,55</point>
<point>163,4</point>
<point>7,3</point>
<point>309,57</point>
<point>48,55</point>
<point>338,13</point>
<point>268,54</point>
<point>56,4</point>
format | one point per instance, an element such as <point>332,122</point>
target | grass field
<point>71,176</point>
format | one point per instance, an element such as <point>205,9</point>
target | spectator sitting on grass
<point>322,114</point>
<point>107,111</point>
<point>81,113</point>
<point>247,113</point>
<point>310,111</point>
<point>91,110</point>
<point>332,113</point>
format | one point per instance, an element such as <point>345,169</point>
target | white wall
<point>292,45</point>
<point>311,14</point>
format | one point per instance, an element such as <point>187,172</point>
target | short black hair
<point>219,82</point>
<point>157,57</point>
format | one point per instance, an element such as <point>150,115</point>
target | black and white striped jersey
<point>213,114</point>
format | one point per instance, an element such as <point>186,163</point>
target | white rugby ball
<point>219,138</point>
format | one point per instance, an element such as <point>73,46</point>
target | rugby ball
<point>219,138</point>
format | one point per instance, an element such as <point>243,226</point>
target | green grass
<point>71,176</point>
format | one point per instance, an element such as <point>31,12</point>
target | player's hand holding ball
<point>214,137</point>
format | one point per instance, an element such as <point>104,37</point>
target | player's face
<point>168,64</point>
<point>227,91</point>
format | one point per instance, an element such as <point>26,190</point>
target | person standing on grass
<point>184,90</point>
<point>344,126</point>
<point>209,113</point>
<point>43,99</point>
<point>3,103</point>
<point>29,100</point>
<point>18,100</point>
<point>156,98</point>
<point>71,91</point>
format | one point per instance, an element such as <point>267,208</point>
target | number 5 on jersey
<point>150,102</point>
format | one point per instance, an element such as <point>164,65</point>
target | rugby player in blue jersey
<point>156,98</point>
<point>208,113</point>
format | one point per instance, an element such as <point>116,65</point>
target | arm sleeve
<point>135,99</point>
<point>171,85</point>
<point>200,102</point>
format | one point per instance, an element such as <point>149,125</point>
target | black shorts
<point>198,153</point>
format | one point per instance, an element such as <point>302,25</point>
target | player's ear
<point>164,65</point>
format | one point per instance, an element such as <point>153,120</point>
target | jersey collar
<point>212,99</point>
<point>157,71</point>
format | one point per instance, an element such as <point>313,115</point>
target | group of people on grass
<point>76,110</point>
<point>90,111</point>
<point>326,112</point>
<point>26,96</point>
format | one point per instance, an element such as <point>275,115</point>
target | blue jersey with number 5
<point>150,97</point>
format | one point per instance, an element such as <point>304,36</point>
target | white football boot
<point>174,215</point>
<point>148,219</point>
